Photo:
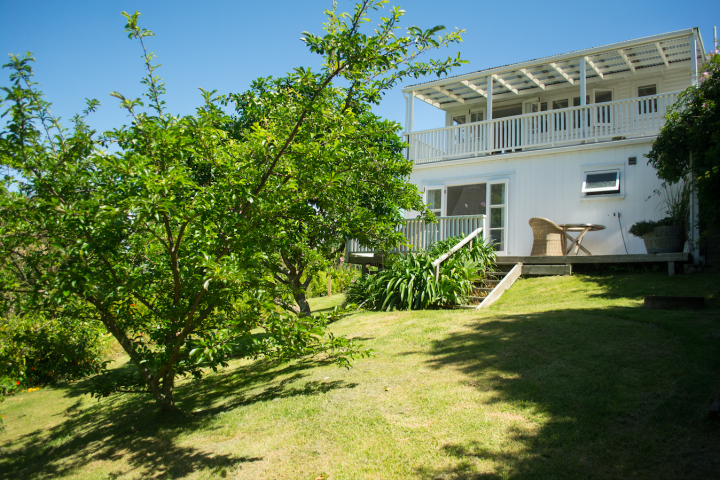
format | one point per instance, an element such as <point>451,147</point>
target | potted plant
<point>666,235</point>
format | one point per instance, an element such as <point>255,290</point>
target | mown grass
<point>565,377</point>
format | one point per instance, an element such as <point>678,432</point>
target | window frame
<point>441,189</point>
<point>603,192</point>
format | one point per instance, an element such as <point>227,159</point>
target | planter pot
<point>665,240</point>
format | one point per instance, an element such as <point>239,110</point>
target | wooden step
<point>547,269</point>
<point>490,281</point>
<point>496,274</point>
<point>476,298</point>
<point>483,289</point>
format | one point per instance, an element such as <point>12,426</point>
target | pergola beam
<point>474,88</point>
<point>563,74</point>
<point>427,100</point>
<point>594,67</point>
<point>621,52</point>
<point>532,78</point>
<point>662,54</point>
<point>457,98</point>
<point>505,84</point>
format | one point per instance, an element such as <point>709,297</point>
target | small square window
<point>602,183</point>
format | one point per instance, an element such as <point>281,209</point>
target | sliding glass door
<point>490,199</point>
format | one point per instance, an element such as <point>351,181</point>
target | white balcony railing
<point>421,234</point>
<point>634,117</point>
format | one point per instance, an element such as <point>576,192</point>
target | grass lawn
<point>564,377</point>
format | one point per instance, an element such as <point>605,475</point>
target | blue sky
<point>82,52</point>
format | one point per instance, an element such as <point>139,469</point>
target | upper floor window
<point>462,119</point>
<point>576,101</point>
<point>647,90</point>
<point>602,96</point>
<point>649,105</point>
<point>507,111</point>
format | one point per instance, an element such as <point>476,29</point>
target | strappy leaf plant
<point>408,281</point>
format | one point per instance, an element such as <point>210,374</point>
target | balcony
<point>630,118</point>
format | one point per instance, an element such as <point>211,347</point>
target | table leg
<point>579,240</point>
<point>571,245</point>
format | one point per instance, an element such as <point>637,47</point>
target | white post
<point>489,96</point>
<point>583,94</point>
<point>693,60</point>
<point>583,84</point>
<point>490,131</point>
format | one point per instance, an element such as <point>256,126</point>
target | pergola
<point>655,53</point>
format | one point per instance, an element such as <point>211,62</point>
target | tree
<point>165,238</point>
<point>692,130</point>
<point>351,183</point>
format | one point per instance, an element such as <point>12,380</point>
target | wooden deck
<point>569,260</point>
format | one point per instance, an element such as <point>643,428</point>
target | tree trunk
<point>298,292</point>
<point>166,398</point>
<point>302,302</point>
<point>293,273</point>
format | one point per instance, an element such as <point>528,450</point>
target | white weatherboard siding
<point>548,184</point>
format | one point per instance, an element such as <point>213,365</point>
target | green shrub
<point>38,351</point>
<point>408,282</point>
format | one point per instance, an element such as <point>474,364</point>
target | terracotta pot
<point>665,240</point>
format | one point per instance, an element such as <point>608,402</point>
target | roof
<point>667,50</point>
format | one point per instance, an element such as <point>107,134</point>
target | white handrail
<point>457,247</point>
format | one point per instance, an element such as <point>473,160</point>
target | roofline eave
<point>556,58</point>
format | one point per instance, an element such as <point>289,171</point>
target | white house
<point>561,137</point>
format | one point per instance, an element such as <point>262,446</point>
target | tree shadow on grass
<point>615,392</point>
<point>130,427</point>
<point>638,286</point>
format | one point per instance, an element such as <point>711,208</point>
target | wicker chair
<point>548,238</point>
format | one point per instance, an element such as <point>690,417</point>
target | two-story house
<point>561,137</point>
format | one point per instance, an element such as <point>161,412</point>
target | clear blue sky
<point>81,50</point>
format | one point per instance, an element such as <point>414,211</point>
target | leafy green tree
<point>693,130</point>
<point>349,180</point>
<point>165,238</point>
